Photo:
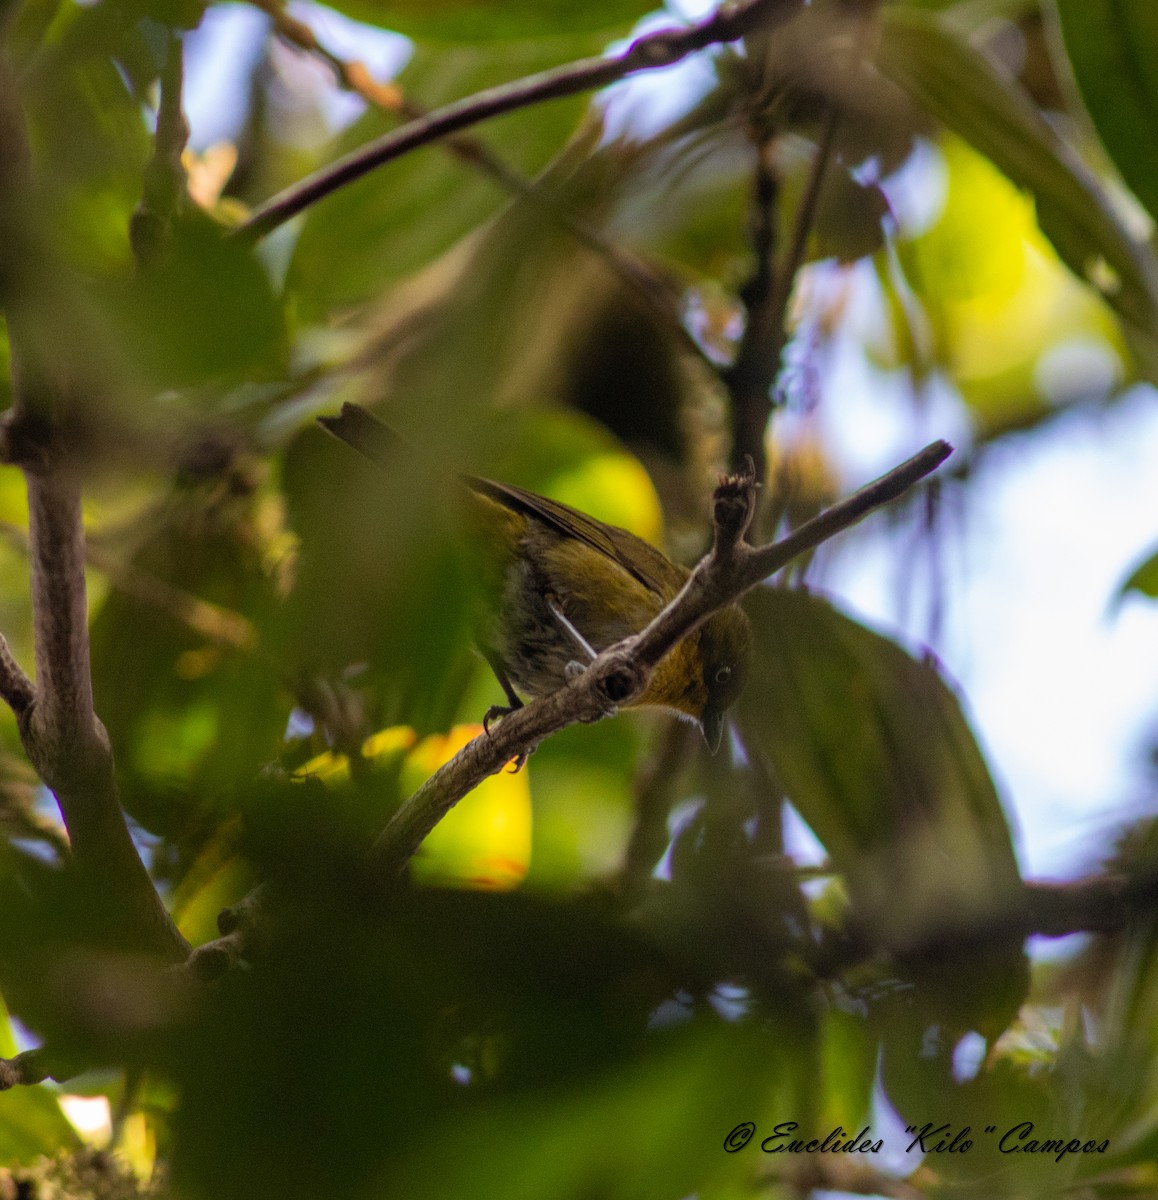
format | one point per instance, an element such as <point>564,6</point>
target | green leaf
<point>204,311</point>
<point>873,750</point>
<point>89,147</point>
<point>31,1124</point>
<point>191,714</point>
<point>961,87</point>
<point>654,1127</point>
<point>1113,49</point>
<point>1143,579</point>
<point>481,21</point>
<point>388,225</point>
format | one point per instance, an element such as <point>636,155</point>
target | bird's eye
<point>723,674</point>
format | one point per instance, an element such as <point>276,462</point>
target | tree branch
<point>244,933</point>
<point>766,296</point>
<point>621,672</point>
<point>24,1069</point>
<point>637,274</point>
<point>661,49</point>
<point>64,740</point>
<point>216,624</point>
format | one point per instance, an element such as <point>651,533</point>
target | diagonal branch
<point>637,274</point>
<point>661,49</point>
<point>621,672</point>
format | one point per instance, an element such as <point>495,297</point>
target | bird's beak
<point>712,724</point>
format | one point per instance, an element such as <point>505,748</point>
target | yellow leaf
<point>485,841</point>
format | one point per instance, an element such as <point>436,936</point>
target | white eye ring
<point>723,674</point>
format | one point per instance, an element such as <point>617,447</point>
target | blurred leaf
<point>31,1125</point>
<point>405,1016</point>
<point>1108,1083</point>
<point>1113,50</point>
<point>849,1055</point>
<point>28,26</point>
<point>652,1127</point>
<point>874,752</point>
<point>960,86</point>
<point>581,787</point>
<point>189,715</point>
<point>848,223</point>
<point>217,878</point>
<point>379,230</point>
<point>1143,579</point>
<point>1019,335</point>
<point>482,21</point>
<point>688,206</point>
<point>383,595</point>
<point>570,458</point>
<point>89,147</point>
<point>205,309</point>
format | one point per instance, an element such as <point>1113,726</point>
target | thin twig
<point>1095,904</point>
<point>1103,904</point>
<point>766,298</point>
<point>216,624</point>
<point>16,689</point>
<point>621,672</point>
<point>749,377</point>
<point>655,50</point>
<point>654,793</point>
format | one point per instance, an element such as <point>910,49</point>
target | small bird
<point>569,586</point>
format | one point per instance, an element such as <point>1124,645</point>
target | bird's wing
<point>639,559</point>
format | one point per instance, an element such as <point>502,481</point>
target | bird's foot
<point>495,713</point>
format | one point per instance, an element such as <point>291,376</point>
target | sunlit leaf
<point>1018,335</point>
<point>485,840</point>
<point>959,86</point>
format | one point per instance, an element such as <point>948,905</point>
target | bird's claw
<point>494,713</point>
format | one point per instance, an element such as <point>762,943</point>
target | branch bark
<point>766,296</point>
<point>622,671</point>
<point>663,48</point>
<point>64,740</point>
